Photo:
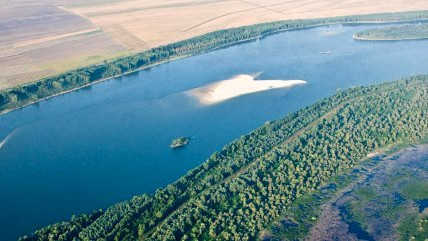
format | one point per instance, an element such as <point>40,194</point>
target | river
<point>105,143</point>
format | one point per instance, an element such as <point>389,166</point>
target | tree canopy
<point>241,189</point>
<point>402,32</point>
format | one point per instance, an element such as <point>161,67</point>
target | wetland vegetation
<point>251,182</point>
<point>366,202</point>
<point>386,206</point>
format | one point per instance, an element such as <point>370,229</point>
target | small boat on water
<point>326,52</point>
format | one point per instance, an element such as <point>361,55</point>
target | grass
<point>416,191</point>
<point>408,227</point>
<point>366,193</point>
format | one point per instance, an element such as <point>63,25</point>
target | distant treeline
<point>25,94</point>
<point>240,190</point>
<point>402,32</point>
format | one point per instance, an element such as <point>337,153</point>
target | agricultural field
<point>215,120</point>
<point>47,37</point>
<point>156,23</point>
<point>39,39</point>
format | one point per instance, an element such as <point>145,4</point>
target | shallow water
<point>423,204</point>
<point>353,226</point>
<point>91,148</point>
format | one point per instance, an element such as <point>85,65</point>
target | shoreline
<point>284,134</point>
<point>343,22</point>
<point>90,84</point>
<point>388,40</point>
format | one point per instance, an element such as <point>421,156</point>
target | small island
<point>237,86</point>
<point>179,142</point>
<point>395,33</point>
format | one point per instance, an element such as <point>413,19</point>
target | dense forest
<point>402,32</point>
<point>29,93</point>
<point>241,189</point>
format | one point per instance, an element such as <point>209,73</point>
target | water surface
<point>91,148</point>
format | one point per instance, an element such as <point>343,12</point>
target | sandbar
<point>237,86</point>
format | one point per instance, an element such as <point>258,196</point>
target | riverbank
<point>132,26</point>
<point>327,136</point>
<point>160,112</point>
<point>385,39</point>
<point>2,112</point>
<point>28,94</point>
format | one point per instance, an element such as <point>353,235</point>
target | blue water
<point>91,148</point>
<point>353,226</point>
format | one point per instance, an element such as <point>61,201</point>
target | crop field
<point>161,22</point>
<point>39,39</point>
<point>43,38</point>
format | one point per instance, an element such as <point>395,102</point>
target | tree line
<point>22,95</point>
<point>402,32</point>
<point>241,189</point>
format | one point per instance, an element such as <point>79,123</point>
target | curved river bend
<point>91,148</point>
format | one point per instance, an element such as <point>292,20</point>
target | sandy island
<point>237,86</point>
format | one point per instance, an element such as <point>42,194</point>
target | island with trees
<point>395,33</point>
<point>23,95</point>
<point>245,187</point>
<point>179,142</point>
